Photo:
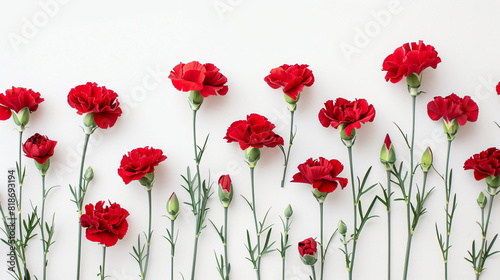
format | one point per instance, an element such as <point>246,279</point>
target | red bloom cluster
<point>39,148</point>
<point>139,162</point>
<point>105,224</point>
<point>91,98</point>
<point>292,78</point>
<point>204,78</point>
<point>484,164</point>
<point>408,59</point>
<point>453,107</point>
<point>256,131</point>
<point>321,174</point>
<point>351,114</point>
<point>308,247</point>
<point>16,99</point>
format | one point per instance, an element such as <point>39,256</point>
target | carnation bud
<point>225,190</point>
<point>292,104</point>
<point>426,161</point>
<point>288,211</point>
<point>89,174</point>
<point>147,180</point>
<point>342,228</point>
<point>308,250</point>
<point>482,200</point>
<point>387,154</point>
<point>22,117</point>
<point>195,100</point>
<point>43,167</point>
<point>320,196</point>
<point>413,81</point>
<point>173,207</point>
<point>252,155</point>
<point>451,129</point>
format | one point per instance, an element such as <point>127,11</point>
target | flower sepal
<point>225,190</point>
<point>252,155</point>
<point>173,207</point>
<point>288,211</point>
<point>413,81</point>
<point>22,117</point>
<point>493,184</point>
<point>482,200</point>
<point>89,125</point>
<point>320,196</point>
<point>347,140</point>
<point>309,259</point>
<point>147,180</point>
<point>43,168</point>
<point>426,161</point>
<point>195,100</point>
<point>451,129</point>
<point>292,104</point>
<point>388,154</point>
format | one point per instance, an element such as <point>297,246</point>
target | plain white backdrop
<point>51,46</point>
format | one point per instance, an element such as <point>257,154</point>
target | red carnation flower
<point>204,78</point>
<point>40,148</point>
<point>409,59</point>
<point>484,164</point>
<point>139,162</point>
<point>102,102</point>
<point>498,89</point>
<point>308,247</point>
<point>321,174</point>
<point>105,224</point>
<point>16,99</point>
<point>452,108</point>
<point>350,114</point>
<point>225,183</point>
<point>256,131</point>
<point>292,78</point>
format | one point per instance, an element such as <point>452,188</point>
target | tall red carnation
<point>40,148</point>
<point>409,58</point>
<point>16,99</point>
<point>204,78</point>
<point>350,114</point>
<point>139,162</point>
<point>102,102</point>
<point>484,164</point>
<point>105,225</point>
<point>256,131</point>
<point>292,78</point>
<point>321,174</point>
<point>452,108</point>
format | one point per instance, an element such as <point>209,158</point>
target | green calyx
<point>89,124</point>
<point>347,140</point>
<point>413,81</point>
<point>89,174</point>
<point>288,211</point>
<point>426,161</point>
<point>292,104</point>
<point>309,259</point>
<point>147,181</point>
<point>342,228</point>
<point>388,157</point>
<point>493,184</point>
<point>482,200</point>
<point>320,196</point>
<point>451,129</point>
<point>252,155</point>
<point>22,117</point>
<point>173,207</point>
<point>195,100</point>
<point>225,197</point>
<point>43,168</point>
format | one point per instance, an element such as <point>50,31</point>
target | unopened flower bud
<point>173,207</point>
<point>225,190</point>
<point>451,129</point>
<point>387,154</point>
<point>195,100</point>
<point>288,211</point>
<point>252,155</point>
<point>147,180</point>
<point>308,250</point>
<point>342,228</point>
<point>426,161</point>
<point>482,200</point>
<point>89,174</point>
<point>22,117</point>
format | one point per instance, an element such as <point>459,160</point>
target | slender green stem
<point>321,240</point>
<point>283,253</point>
<point>172,222</point>
<point>449,218</point>
<point>313,272</point>
<point>103,262</point>
<point>389,225</point>
<point>19,204</point>
<point>9,234</point>
<point>149,236</point>
<point>80,196</point>
<point>355,204</point>
<point>290,143</point>
<point>198,210</point>
<point>225,244</point>
<point>257,269</point>
<point>283,269</point>
<point>483,244</point>
<point>42,231</point>
<point>408,209</point>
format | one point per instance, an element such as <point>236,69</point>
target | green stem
<point>19,204</point>
<point>389,225</point>
<point>448,217</point>
<point>313,272</point>
<point>42,231</point>
<point>290,143</point>
<point>483,244</point>
<point>355,202</point>
<point>225,244</point>
<point>198,210</point>
<point>408,209</point>
<point>103,262</point>
<point>149,236</point>
<point>287,226</point>
<point>80,196</point>
<point>257,269</point>
<point>321,240</point>
<point>172,222</point>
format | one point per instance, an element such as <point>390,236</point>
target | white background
<point>130,46</point>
